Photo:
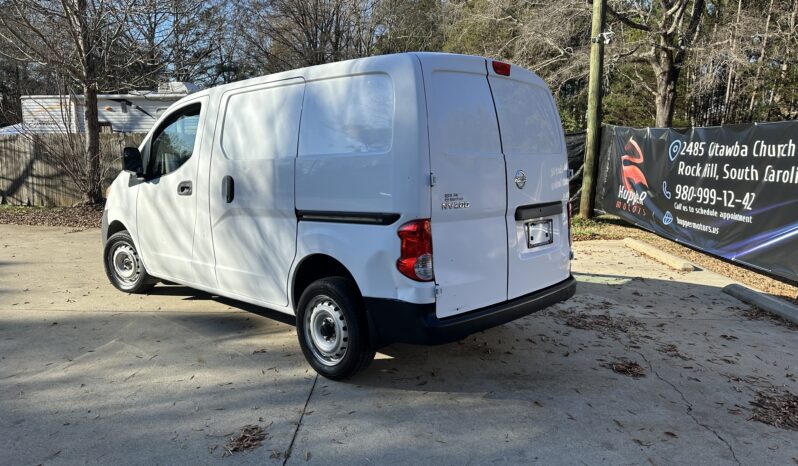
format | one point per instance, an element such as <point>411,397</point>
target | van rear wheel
<point>332,329</point>
<point>123,265</point>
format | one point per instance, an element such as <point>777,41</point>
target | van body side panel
<point>533,143</point>
<point>363,150</point>
<point>362,141</point>
<point>251,189</point>
<point>368,253</point>
<point>121,205</point>
<point>468,199</point>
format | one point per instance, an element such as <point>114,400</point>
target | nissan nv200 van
<point>414,198</point>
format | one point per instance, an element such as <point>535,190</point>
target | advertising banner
<point>731,191</point>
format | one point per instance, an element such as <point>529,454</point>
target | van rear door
<point>534,151</point>
<point>469,231</point>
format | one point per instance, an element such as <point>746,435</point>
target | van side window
<point>348,115</point>
<point>262,124</point>
<point>173,142</point>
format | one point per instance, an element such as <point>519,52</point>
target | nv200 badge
<point>454,201</point>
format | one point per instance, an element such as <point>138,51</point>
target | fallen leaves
<point>251,437</point>
<point>81,217</point>
<point>778,409</point>
<point>628,368</point>
<point>601,322</point>
<point>672,350</point>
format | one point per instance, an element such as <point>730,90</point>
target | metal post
<point>593,111</point>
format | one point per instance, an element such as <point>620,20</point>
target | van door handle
<point>184,188</point>
<point>229,188</point>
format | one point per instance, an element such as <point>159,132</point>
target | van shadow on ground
<point>611,317</point>
<point>167,375</point>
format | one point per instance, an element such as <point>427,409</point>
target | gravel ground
<point>609,228</point>
<point>603,227</point>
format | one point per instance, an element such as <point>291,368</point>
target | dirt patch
<point>608,227</point>
<point>778,409</point>
<point>82,218</point>
<point>628,368</point>
<point>251,437</point>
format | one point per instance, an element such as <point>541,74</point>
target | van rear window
<point>526,117</point>
<point>462,119</point>
<point>349,115</point>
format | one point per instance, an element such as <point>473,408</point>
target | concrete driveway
<point>91,375</point>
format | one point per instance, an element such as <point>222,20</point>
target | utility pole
<point>593,111</point>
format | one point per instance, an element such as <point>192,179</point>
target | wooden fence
<point>33,171</point>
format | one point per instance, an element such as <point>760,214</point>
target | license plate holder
<point>539,233</point>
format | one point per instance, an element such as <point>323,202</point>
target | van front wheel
<point>123,265</point>
<point>332,329</point>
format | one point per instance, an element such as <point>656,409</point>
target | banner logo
<point>632,178</point>
<point>632,172</point>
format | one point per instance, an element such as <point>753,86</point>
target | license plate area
<point>538,233</point>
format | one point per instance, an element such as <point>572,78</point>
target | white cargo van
<point>412,198</point>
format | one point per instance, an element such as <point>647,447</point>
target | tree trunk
<point>731,80</point>
<point>760,62</point>
<point>93,188</point>
<point>666,94</point>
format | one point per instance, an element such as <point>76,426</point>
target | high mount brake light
<point>501,68</point>
<point>415,261</point>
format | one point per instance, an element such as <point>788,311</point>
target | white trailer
<point>134,112</point>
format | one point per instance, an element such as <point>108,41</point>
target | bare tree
<point>550,37</point>
<point>285,34</point>
<point>410,25</point>
<point>668,29</point>
<point>76,37</point>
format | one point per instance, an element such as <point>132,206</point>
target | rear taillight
<point>501,68</point>
<point>416,250</point>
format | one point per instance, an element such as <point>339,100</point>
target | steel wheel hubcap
<point>124,261</point>
<point>326,331</point>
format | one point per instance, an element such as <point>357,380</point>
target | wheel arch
<point>314,267</point>
<point>114,227</point>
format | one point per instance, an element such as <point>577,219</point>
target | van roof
<point>346,67</point>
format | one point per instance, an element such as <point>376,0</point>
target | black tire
<point>321,303</point>
<point>120,247</point>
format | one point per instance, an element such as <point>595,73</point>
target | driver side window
<point>173,144</point>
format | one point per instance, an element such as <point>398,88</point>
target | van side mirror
<point>131,161</point>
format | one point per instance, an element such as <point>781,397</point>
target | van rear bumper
<point>394,321</point>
